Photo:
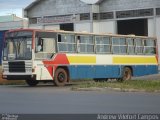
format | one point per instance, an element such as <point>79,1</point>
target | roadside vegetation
<point>12,82</point>
<point>132,85</point>
<point>89,85</point>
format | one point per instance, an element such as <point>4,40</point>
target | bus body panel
<point>83,66</point>
<point>141,70</point>
<point>42,71</point>
<point>90,72</point>
<point>83,55</point>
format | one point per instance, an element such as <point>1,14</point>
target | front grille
<point>17,66</point>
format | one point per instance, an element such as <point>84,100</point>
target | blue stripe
<point>108,71</point>
<point>145,70</point>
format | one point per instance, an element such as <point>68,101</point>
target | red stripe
<point>59,59</point>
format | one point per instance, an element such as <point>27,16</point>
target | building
<point>139,17</point>
<point>9,22</point>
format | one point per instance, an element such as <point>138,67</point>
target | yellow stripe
<point>82,59</point>
<point>134,60</point>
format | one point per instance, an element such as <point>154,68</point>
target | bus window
<point>18,46</point>
<point>150,46</point>
<point>86,44</point>
<point>131,47</point>
<point>103,44</point>
<point>115,45</point>
<point>78,43</point>
<point>139,46</point>
<point>119,45</point>
<point>66,43</point>
<point>123,46</point>
<point>45,45</point>
<point>40,44</point>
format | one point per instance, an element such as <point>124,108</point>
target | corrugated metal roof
<point>32,4</point>
<point>37,1</point>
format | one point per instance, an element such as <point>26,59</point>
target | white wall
<point>11,25</point>
<point>35,27</point>
<point>96,27</point>
<point>79,27</point>
<point>107,27</point>
<point>52,27</point>
<point>151,31</point>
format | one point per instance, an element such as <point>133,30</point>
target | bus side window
<point>59,38</point>
<point>40,44</point>
<point>115,45</point>
<point>131,46</point>
<point>150,46</point>
<point>78,39</point>
<point>139,46</point>
<point>78,43</point>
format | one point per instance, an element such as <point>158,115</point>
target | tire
<point>100,80</point>
<point>32,83</point>
<point>127,74</point>
<point>60,77</point>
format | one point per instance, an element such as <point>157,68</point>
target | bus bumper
<point>18,76</point>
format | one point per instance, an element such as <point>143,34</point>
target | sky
<point>8,7</point>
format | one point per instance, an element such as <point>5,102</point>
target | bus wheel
<point>60,77</point>
<point>127,74</point>
<point>32,83</point>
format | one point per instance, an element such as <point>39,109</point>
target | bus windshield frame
<point>18,45</point>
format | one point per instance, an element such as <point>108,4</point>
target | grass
<point>133,85</point>
<point>142,85</point>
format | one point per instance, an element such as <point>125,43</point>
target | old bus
<point>60,56</point>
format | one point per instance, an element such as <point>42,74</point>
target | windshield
<point>18,46</point>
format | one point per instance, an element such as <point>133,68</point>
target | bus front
<point>17,55</point>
